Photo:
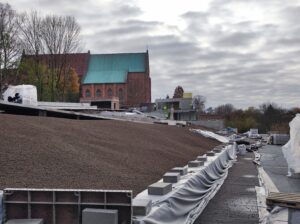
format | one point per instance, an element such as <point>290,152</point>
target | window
<point>121,94</point>
<point>98,93</point>
<point>87,93</point>
<point>109,92</point>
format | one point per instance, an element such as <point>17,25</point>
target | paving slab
<point>235,202</point>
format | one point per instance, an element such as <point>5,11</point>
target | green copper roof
<point>113,68</point>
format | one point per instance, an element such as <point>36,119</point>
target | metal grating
<point>64,206</point>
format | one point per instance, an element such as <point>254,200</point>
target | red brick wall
<point>139,88</point>
<point>115,87</point>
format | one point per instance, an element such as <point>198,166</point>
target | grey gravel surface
<point>44,152</point>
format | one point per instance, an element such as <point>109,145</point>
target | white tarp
<point>28,93</point>
<point>209,134</point>
<point>1,206</point>
<point>291,150</point>
<point>187,200</point>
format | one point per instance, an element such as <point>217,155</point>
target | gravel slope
<point>61,153</point>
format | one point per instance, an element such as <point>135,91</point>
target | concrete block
<point>217,150</point>
<point>181,170</point>
<point>159,188</point>
<point>25,221</point>
<point>202,158</point>
<point>99,216</point>
<point>171,177</point>
<point>195,163</point>
<point>210,153</point>
<point>141,207</point>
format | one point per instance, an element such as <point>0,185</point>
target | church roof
<point>113,68</point>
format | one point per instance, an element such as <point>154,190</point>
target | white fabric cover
<point>291,150</point>
<point>187,203</point>
<point>28,94</point>
<point>1,206</point>
<point>209,134</point>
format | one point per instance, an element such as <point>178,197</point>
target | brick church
<point>121,79</point>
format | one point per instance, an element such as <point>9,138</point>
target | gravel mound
<point>43,152</point>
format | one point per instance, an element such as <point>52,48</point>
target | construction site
<point>64,166</point>
<point>149,112</point>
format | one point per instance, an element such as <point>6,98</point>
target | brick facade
<point>136,89</point>
<point>139,89</point>
<point>133,93</point>
<point>102,91</point>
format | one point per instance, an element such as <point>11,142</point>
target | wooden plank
<point>290,200</point>
<point>285,196</point>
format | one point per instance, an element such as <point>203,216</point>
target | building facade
<point>124,76</point>
<point>181,108</point>
<point>122,80</point>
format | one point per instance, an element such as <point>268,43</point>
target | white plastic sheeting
<point>28,94</point>
<point>189,196</point>
<point>1,206</point>
<point>209,134</point>
<point>291,150</point>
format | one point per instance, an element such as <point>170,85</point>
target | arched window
<point>109,92</point>
<point>121,94</point>
<point>98,93</point>
<point>87,93</point>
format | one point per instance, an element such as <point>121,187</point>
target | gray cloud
<point>237,39</point>
<point>131,27</point>
<point>127,10</point>
<point>244,61</point>
<point>292,14</point>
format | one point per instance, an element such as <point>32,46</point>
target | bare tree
<point>55,37</point>
<point>9,41</point>
<point>224,109</point>
<point>61,36</point>
<point>199,103</point>
<point>178,92</point>
<point>30,26</point>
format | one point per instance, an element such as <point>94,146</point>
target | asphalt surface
<point>44,152</point>
<point>275,165</point>
<point>235,202</point>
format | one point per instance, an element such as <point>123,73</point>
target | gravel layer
<point>43,152</point>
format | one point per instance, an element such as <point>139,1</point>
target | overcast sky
<point>243,52</point>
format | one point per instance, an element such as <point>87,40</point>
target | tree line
<point>267,117</point>
<point>23,34</point>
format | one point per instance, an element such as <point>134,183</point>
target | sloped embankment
<point>40,152</point>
